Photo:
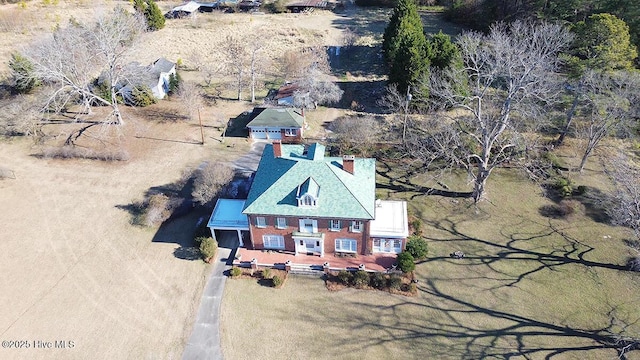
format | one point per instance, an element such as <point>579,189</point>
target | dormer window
<point>307,194</point>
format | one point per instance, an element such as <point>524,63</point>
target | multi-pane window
<point>273,241</point>
<point>346,245</point>
<point>281,223</point>
<point>290,132</point>
<point>356,226</point>
<point>261,221</point>
<point>334,225</point>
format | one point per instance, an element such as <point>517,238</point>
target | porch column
<point>240,237</point>
<point>213,234</point>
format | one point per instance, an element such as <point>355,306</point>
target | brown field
<point>73,267</point>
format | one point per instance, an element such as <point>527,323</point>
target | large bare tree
<point>510,72</point>
<point>73,57</point>
<point>236,57</point>
<point>608,108</point>
<point>624,206</point>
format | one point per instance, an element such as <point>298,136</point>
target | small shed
<point>227,215</point>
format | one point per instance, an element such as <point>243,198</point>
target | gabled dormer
<point>307,194</point>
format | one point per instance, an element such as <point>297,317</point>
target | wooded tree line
<point>510,88</point>
<point>481,14</point>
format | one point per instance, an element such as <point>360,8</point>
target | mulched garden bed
<point>404,285</point>
<point>259,276</point>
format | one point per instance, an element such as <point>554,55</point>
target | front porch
<point>376,262</point>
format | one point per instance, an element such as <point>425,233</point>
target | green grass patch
<point>528,287</point>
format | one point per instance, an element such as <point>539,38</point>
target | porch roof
<point>227,215</point>
<point>391,220</point>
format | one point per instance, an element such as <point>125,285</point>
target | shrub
<point>174,83</point>
<point>200,239</point>
<point>208,248</point>
<point>142,96</point>
<point>417,247</point>
<point>634,263</point>
<point>266,273</point>
<point>416,225</point>
<point>564,186</point>
<point>345,277</point>
<point>235,271</point>
<point>276,281</point>
<point>378,280</point>
<point>275,7</point>
<point>395,282</point>
<point>406,262</point>
<point>361,279</point>
<point>23,74</point>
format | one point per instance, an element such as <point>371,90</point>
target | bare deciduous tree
<point>73,57</point>
<point>190,98</point>
<point>355,133</point>
<point>316,88</point>
<point>208,182</point>
<point>624,205</point>
<point>509,75</point>
<point>296,63</point>
<point>609,98</point>
<point>236,57</point>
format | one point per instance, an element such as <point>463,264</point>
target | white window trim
<point>271,238</point>
<point>290,132</point>
<point>314,225</point>
<point>332,228</point>
<point>282,225</point>
<point>341,242</point>
<point>357,229</point>
<point>261,222</point>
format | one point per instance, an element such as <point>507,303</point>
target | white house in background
<point>161,71</point>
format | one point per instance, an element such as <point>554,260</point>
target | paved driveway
<point>204,342</point>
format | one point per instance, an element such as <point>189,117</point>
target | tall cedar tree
<point>153,15</point>
<point>405,47</point>
<point>603,42</point>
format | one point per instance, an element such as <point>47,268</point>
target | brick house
<point>304,202</point>
<point>284,124</point>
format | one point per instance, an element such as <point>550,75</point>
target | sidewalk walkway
<point>204,342</point>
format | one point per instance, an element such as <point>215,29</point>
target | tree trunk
<point>570,114</point>
<point>480,183</point>
<point>114,105</point>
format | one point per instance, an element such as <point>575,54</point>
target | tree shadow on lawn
<point>403,184</point>
<point>570,251</point>
<point>356,60</point>
<point>445,325</point>
<point>593,199</point>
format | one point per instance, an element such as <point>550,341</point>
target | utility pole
<point>201,129</point>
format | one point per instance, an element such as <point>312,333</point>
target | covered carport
<point>227,215</point>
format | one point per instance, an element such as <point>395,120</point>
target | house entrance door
<point>309,246</point>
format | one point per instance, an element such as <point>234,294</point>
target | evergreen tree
<point>444,52</point>
<point>405,47</point>
<point>602,42</point>
<point>153,15</point>
<point>23,74</point>
<point>139,6</point>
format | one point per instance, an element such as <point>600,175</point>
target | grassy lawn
<point>529,287</point>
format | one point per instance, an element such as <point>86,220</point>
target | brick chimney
<point>277,148</point>
<point>348,163</point>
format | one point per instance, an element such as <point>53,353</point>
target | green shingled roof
<point>343,195</point>
<point>278,117</point>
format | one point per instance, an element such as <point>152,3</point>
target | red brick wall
<point>291,139</point>
<point>293,224</point>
